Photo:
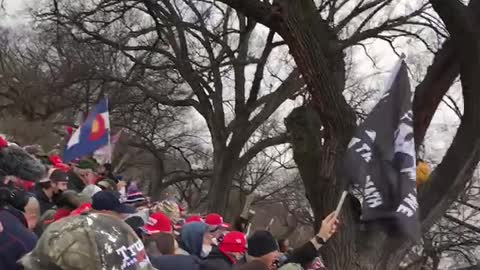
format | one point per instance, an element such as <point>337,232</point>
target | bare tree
<point>207,49</point>
<point>309,31</point>
<point>454,238</point>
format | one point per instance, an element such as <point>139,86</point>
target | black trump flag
<point>380,160</point>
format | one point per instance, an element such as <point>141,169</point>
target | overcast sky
<point>440,134</point>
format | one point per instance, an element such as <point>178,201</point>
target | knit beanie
<point>134,195</point>
<point>261,243</point>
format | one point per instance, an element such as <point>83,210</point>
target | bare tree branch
<point>259,146</point>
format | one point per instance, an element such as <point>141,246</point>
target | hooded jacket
<point>15,239</point>
<point>217,260</point>
<point>191,238</point>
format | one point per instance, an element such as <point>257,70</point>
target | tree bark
<point>318,153</point>
<point>322,191</point>
<point>220,183</point>
<point>430,92</point>
<point>440,76</point>
<point>462,157</point>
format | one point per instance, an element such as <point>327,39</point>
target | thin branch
<point>260,146</point>
<point>260,69</point>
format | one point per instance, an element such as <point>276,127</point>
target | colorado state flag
<point>91,135</point>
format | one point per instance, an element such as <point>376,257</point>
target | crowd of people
<point>56,216</point>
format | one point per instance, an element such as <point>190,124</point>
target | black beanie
<point>261,243</point>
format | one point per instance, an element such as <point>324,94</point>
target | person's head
<point>160,244</point>
<point>107,184</point>
<point>71,200</point>
<point>194,218</point>
<point>234,244</point>
<point>85,170</point>
<point>32,212</point>
<point>17,200</point>
<point>263,246</point>
<point>216,226</point>
<point>135,196</point>
<point>283,245</point>
<point>158,232</point>
<point>158,223</point>
<point>169,208</point>
<point>196,239</point>
<point>59,180</point>
<point>109,203</point>
<point>215,222</point>
<point>88,242</point>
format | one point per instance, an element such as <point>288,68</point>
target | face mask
<point>123,193</point>
<point>206,249</point>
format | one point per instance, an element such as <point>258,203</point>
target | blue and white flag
<point>93,134</point>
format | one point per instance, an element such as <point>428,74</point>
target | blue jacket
<point>15,239</point>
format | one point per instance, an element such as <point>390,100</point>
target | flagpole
<point>109,133</point>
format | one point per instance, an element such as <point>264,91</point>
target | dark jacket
<point>44,202</point>
<point>74,182</point>
<point>15,239</point>
<point>177,262</point>
<point>303,255</point>
<point>217,260</point>
<point>253,265</point>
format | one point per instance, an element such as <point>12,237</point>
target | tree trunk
<point>221,182</point>
<point>322,191</point>
<point>318,152</point>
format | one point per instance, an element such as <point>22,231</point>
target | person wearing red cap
<point>158,238</point>
<point>215,221</point>
<point>230,250</point>
<point>193,219</point>
<point>216,226</point>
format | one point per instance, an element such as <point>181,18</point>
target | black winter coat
<point>217,260</point>
<point>44,202</point>
<point>302,255</point>
<point>177,262</point>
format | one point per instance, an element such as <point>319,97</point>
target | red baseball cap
<point>215,220</point>
<point>233,242</point>
<point>194,219</point>
<point>158,223</point>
